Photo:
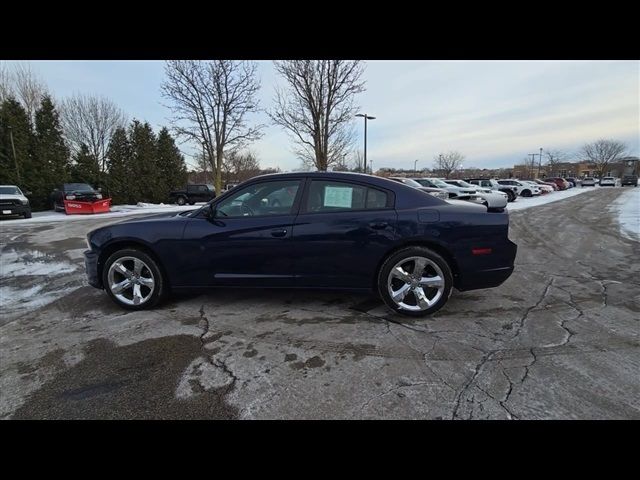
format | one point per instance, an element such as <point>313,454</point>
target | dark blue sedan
<point>309,230</point>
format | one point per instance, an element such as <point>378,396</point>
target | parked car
<point>490,199</point>
<point>551,184</point>
<point>453,190</point>
<point>561,183</point>
<point>523,189</point>
<point>494,185</point>
<point>629,180</point>
<point>342,231</point>
<point>588,182</point>
<point>14,202</point>
<point>229,186</point>
<point>573,181</point>
<point>543,188</point>
<point>608,182</point>
<point>436,192</point>
<point>79,198</point>
<point>192,194</point>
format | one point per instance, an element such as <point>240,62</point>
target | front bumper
<point>91,267</point>
<point>6,210</point>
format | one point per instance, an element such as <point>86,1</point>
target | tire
<point>150,270</point>
<point>526,193</point>
<point>57,207</point>
<point>512,196</point>
<point>27,214</point>
<point>192,203</point>
<point>181,201</point>
<point>435,266</point>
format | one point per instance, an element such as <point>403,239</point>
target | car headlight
<point>70,197</point>
<point>99,196</point>
<point>25,201</point>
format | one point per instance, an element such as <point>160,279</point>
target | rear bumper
<point>91,267</point>
<point>493,270</point>
<point>7,210</point>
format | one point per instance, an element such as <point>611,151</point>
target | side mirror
<point>210,212</point>
<point>27,193</point>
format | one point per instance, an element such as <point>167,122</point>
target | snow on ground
<point>31,262</point>
<point>116,211</point>
<point>521,203</point>
<point>627,208</point>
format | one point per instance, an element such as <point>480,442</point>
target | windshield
<point>10,191</point>
<point>77,187</point>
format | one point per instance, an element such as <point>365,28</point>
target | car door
<point>341,233</point>
<point>248,243</point>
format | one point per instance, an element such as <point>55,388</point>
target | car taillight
<point>481,251</point>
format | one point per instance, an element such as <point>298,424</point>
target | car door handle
<point>278,233</point>
<point>378,225</point>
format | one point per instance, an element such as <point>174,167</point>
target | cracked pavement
<point>558,340</point>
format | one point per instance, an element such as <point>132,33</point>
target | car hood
<point>13,197</point>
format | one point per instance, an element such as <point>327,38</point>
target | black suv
<point>629,180</point>
<point>192,194</point>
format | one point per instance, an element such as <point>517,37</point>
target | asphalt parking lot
<point>559,340</point>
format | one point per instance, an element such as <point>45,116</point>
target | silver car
<point>490,198</point>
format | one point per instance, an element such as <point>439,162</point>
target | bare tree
<point>554,158</point>
<point>91,120</point>
<point>241,166</point>
<point>446,163</point>
<point>210,102</point>
<point>317,107</point>
<point>603,152</point>
<point>24,85</point>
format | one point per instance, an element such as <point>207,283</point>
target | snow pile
<point>521,203</point>
<point>627,208</point>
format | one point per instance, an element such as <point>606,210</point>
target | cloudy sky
<point>494,112</point>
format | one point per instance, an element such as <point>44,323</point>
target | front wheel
<point>415,281</point>
<point>526,193</point>
<point>181,201</point>
<point>27,214</point>
<point>133,279</point>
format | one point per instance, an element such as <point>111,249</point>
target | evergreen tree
<point>85,167</point>
<point>14,121</point>
<point>142,164</point>
<point>118,165</point>
<point>171,170</point>
<point>49,165</point>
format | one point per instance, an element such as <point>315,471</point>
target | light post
<point>366,117</point>
<point>415,171</point>
<point>539,162</point>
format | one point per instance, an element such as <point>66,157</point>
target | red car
<point>551,184</point>
<point>561,183</point>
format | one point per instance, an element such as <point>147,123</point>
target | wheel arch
<point>113,247</point>
<point>430,244</point>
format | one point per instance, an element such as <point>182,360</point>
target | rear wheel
<point>133,279</point>
<point>415,281</point>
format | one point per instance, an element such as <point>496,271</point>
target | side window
<point>486,183</point>
<point>327,196</point>
<point>260,199</point>
<point>191,189</point>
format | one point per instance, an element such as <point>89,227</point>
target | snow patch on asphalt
<point>627,209</point>
<point>522,203</point>
<point>116,211</point>
<point>31,262</point>
<point>26,299</point>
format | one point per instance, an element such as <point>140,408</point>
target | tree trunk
<point>218,179</point>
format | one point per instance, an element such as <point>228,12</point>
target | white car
<point>436,192</point>
<point>460,193</point>
<point>14,202</point>
<point>588,182</point>
<point>608,182</point>
<point>523,189</point>
<point>490,198</point>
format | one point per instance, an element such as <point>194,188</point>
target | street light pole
<point>414,167</point>
<point>366,117</point>
<point>539,162</point>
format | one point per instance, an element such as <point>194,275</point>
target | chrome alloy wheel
<point>415,283</point>
<point>131,281</point>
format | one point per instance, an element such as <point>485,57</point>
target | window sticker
<point>338,197</point>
